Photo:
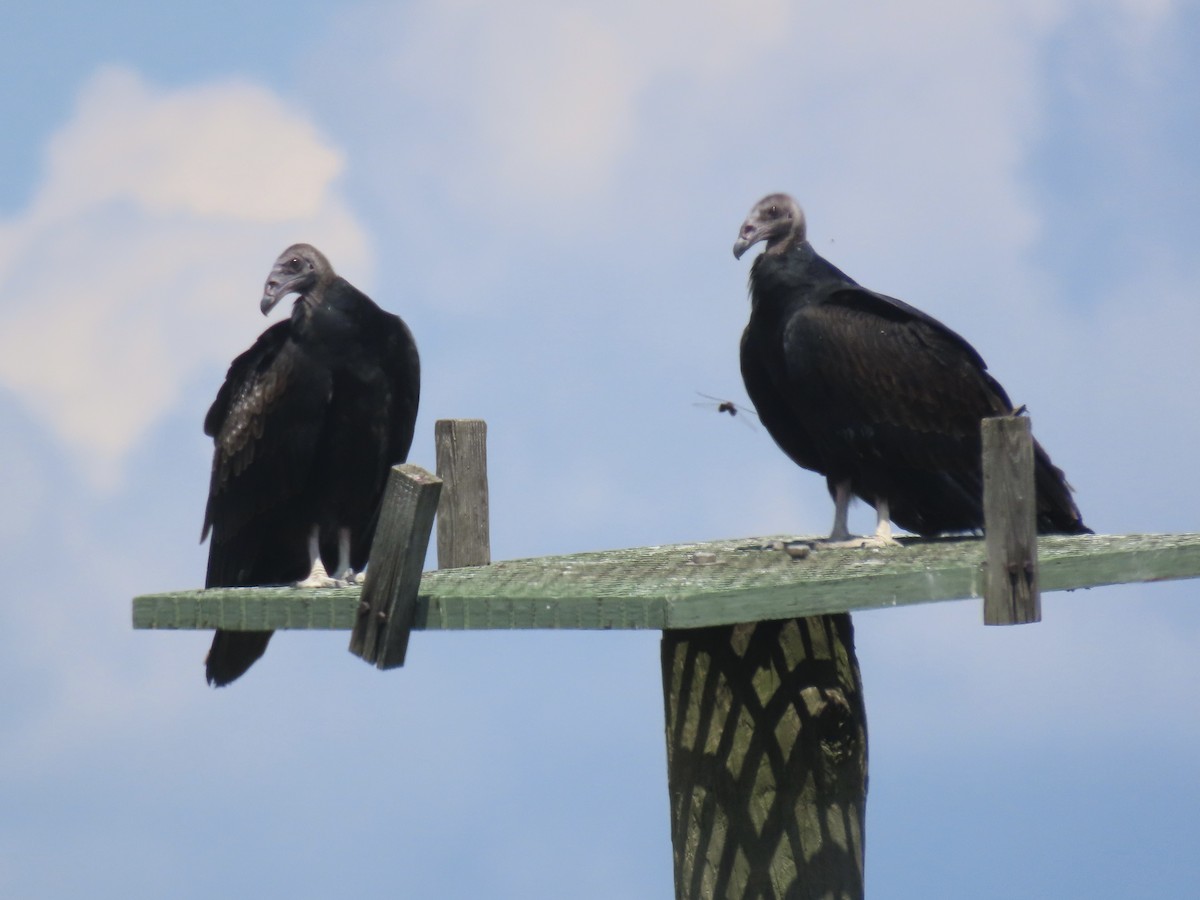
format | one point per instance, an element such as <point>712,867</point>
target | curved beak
<point>749,235</point>
<point>279,285</point>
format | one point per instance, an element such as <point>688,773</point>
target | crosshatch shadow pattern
<point>767,757</point>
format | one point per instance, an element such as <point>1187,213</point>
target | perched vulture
<point>880,398</point>
<point>306,426</point>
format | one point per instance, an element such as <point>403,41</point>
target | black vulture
<point>880,398</point>
<point>306,427</point>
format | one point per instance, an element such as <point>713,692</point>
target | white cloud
<point>560,131</point>
<point>139,259</point>
<point>879,117</point>
<point>882,116</point>
<point>534,115</point>
<point>231,149</point>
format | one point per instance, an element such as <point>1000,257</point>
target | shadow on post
<point>767,759</point>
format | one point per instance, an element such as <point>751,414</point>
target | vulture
<point>880,398</point>
<point>305,429</point>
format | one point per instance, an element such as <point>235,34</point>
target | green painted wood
<point>685,585</point>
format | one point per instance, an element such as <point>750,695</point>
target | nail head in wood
<point>394,574</point>
<point>1011,594</point>
<point>463,536</point>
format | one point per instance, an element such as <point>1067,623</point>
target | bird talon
<point>857,542</point>
<point>318,581</point>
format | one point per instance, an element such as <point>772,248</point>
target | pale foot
<point>318,578</point>
<point>841,539</point>
<point>855,542</point>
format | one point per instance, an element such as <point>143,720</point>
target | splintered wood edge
<point>389,595</point>
<point>684,585</point>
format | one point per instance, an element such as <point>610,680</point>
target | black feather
<point>865,389</point>
<point>305,429</point>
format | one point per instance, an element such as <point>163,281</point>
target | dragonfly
<point>727,406</point>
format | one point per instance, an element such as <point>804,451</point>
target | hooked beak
<point>749,235</point>
<point>279,285</point>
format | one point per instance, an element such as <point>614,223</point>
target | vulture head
<point>298,270</point>
<point>776,219</point>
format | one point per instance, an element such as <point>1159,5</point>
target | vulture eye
<point>773,211</point>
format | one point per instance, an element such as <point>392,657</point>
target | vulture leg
<point>841,538</point>
<point>883,527</point>
<point>344,571</point>
<point>317,577</point>
<point>840,533</point>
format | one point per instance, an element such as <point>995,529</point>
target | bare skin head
<point>776,219</point>
<point>296,271</point>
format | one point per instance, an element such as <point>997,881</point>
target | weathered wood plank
<point>1010,592</point>
<point>685,585</point>
<point>389,597</point>
<point>463,536</point>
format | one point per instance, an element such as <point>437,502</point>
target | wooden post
<point>766,759</point>
<point>389,596</point>
<point>1011,595</point>
<point>462,532</point>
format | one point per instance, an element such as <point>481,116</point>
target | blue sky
<point>548,194</point>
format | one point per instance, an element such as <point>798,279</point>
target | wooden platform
<point>685,585</point>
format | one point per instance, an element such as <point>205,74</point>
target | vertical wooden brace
<point>463,537</point>
<point>389,596</point>
<point>1010,594</point>
<point>766,760</point>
